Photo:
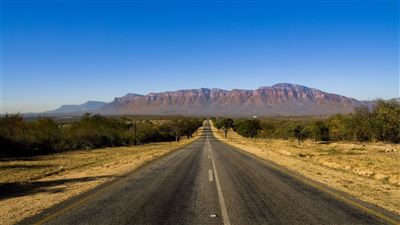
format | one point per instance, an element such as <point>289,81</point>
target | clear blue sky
<point>68,52</point>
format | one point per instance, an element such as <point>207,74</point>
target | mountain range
<point>279,99</point>
<point>85,107</point>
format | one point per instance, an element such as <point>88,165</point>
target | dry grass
<point>368,171</point>
<point>30,185</point>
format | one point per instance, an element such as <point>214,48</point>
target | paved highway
<point>210,182</point>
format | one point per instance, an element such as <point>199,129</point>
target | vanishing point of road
<point>210,182</point>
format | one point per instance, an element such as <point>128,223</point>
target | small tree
<point>225,125</point>
<point>176,127</point>
<point>300,133</point>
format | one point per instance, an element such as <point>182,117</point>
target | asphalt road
<point>208,182</point>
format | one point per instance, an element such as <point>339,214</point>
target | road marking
<point>209,156</point>
<point>224,212</point>
<point>210,175</point>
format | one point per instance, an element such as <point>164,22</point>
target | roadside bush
<point>381,123</point>
<point>247,128</point>
<point>387,121</point>
<point>42,136</point>
<point>319,130</point>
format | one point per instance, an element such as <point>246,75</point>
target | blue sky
<point>68,52</point>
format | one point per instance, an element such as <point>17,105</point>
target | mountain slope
<point>279,99</point>
<point>85,107</point>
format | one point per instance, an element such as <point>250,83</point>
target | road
<point>207,182</point>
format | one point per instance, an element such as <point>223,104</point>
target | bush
<point>247,128</point>
<point>382,123</point>
<point>19,137</point>
<point>387,121</point>
<point>320,131</point>
<point>300,133</point>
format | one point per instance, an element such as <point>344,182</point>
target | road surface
<point>208,182</point>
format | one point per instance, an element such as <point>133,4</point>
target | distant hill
<point>281,99</point>
<point>88,106</point>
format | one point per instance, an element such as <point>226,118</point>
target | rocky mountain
<point>88,106</point>
<point>279,99</point>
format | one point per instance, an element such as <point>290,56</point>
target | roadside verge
<point>376,192</point>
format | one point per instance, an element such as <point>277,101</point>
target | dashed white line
<point>224,212</point>
<point>210,175</point>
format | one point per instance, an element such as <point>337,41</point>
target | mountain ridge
<point>278,99</point>
<point>87,106</point>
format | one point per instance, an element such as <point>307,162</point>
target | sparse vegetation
<point>19,137</point>
<point>382,123</point>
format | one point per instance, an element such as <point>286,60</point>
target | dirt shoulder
<point>370,172</point>
<point>30,185</point>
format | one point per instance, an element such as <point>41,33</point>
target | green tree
<point>248,128</point>
<point>320,131</point>
<point>46,135</point>
<point>359,125</point>
<point>387,121</point>
<point>225,125</point>
<point>337,127</point>
<point>300,133</point>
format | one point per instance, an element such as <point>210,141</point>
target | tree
<point>386,126</point>
<point>320,131</point>
<point>359,124</point>
<point>176,127</point>
<point>190,125</point>
<point>225,125</point>
<point>300,133</point>
<point>337,127</point>
<point>46,135</point>
<point>248,128</point>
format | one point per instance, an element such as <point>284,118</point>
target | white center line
<point>210,175</point>
<point>224,212</point>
